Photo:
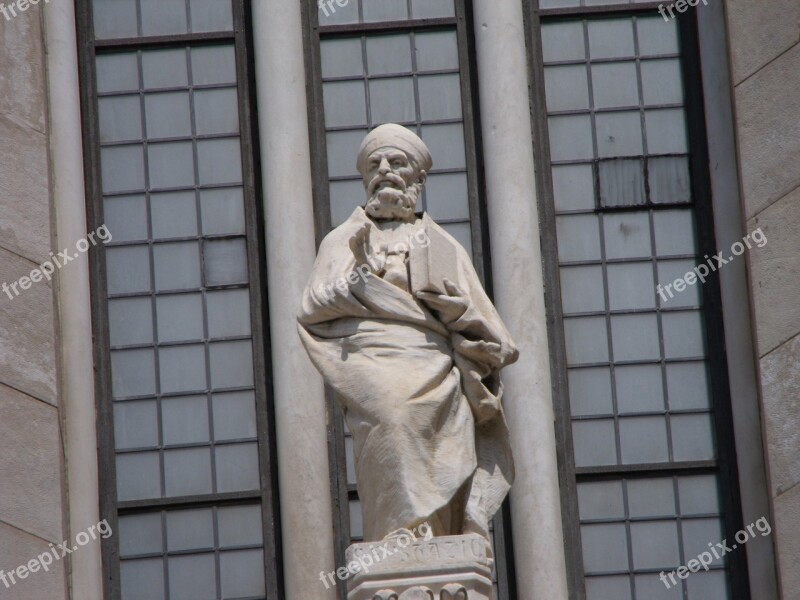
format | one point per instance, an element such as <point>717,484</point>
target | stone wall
<point>31,451</point>
<point>765,53</point>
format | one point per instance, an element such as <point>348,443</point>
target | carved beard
<point>393,204</point>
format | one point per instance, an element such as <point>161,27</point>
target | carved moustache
<point>391,178</point>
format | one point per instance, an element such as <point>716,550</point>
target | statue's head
<point>394,163</point>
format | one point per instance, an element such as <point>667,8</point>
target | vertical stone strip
<point>74,307</point>
<point>730,226</point>
<point>306,515</point>
<point>764,44</point>
<point>519,296</point>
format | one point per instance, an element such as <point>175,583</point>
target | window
<point>184,418</point>
<point>405,62</point>
<point>648,465</point>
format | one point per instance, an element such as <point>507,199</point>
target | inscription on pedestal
<point>444,550</point>
<point>444,568</point>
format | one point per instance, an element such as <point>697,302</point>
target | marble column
<point>519,296</point>
<point>306,515</point>
<point>76,368</point>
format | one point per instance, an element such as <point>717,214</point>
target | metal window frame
<point>267,494</point>
<point>725,465</point>
<point>341,492</point>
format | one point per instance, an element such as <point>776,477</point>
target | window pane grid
<point>166,240</point>
<point>698,517</point>
<point>606,60</point>
<point>547,4</point>
<point>177,343</point>
<point>611,261</point>
<point>176,188</point>
<point>189,445</point>
<point>167,139</point>
<point>181,351</point>
<point>371,64</point>
<point>391,75</point>
<point>615,310</point>
<point>182,88</point>
<point>143,18</point>
<point>408,122</point>
<point>642,413</point>
<point>648,506</point>
<point>611,167</point>
<point>637,364</point>
<point>376,11</point>
<point>172,293</point>
<point>188,553</point>
<point>192,370</point>
<point>610,109</point>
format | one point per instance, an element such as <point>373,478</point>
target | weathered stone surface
<point>25,201</point>
<point>443,568</point>
<point>396,319</point>
<point>786,530</point>
<point>775,272</point>
<point>780,380</point>
<point>30,465</point>
<point>22,77</point>
<point>24,169</point>
<point>768,114</point>
<point>27,337</point>
<point>17,548</point>
<point>761,31</point>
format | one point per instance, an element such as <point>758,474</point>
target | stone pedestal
<point>444,568</point>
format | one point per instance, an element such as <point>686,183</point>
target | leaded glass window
<point>645,416</point>
<point>182,397</point>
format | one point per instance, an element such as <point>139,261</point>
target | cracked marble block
<point>455,567</point>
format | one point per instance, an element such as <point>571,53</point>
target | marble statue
<point>396,320</point>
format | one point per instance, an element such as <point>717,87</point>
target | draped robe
<point>412,401</point>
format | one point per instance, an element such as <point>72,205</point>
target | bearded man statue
<point>415,366</point>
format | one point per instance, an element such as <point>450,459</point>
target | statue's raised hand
<point>359,246</point>
<point>450,306</point>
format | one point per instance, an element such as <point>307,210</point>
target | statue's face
<point>393,184</point>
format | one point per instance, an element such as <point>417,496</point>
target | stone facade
<point>764,39</point>
<point>32,490</point>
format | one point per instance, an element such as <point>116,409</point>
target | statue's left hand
<point>450,306</point>
<point>480,352</point>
